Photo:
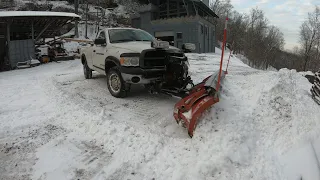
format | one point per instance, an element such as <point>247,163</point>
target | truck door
<point>99,54</point>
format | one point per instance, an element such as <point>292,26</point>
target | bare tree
<point>221,8</point>
<point>251,33</point>
<point>310,35</point>
<point>274,41</point>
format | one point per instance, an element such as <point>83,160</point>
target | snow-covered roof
<point>37,13</point>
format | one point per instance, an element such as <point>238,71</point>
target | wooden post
<point>178,10</point>
<point>168,1</point>
<point>32,30</point>
<point>87,9</point>
<point>76,7</point>
<point>8,41</point>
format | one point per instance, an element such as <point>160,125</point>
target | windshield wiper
<point>142,40</point>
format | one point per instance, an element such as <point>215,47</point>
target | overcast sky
<point>288,15</point>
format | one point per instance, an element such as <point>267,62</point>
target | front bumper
<point>137,75</point>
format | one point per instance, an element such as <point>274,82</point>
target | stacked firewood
<point>315,90</point>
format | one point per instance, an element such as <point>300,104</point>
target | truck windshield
<point>126,35</point>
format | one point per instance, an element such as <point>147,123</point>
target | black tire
<point>86,70</point>
<point>116,85</point>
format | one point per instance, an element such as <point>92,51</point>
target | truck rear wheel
<point>116,85</point>
<point>86,70</point>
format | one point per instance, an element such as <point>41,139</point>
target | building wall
<point>135,23</point>
<point>21,50</point>
<point>189,27</point>
<point>207,37</point>
<point>145,19</point>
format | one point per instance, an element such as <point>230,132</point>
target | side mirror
<point>188,47</point>
<point>100,42</point>
<point>160,44</point>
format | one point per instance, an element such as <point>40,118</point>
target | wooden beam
<point>44,29</point>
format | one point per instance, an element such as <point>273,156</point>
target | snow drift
<point>57,125</point>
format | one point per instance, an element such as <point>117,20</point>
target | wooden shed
<point>20,30</point>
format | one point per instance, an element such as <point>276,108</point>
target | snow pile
<point>67,127</point>
<point>303,162</point>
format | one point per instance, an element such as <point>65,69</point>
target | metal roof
<point>36,14</point>
<point>46,24</point>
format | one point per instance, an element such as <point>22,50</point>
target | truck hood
<point>136,46</point>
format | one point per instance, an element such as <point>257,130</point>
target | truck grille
<point>154,59</point>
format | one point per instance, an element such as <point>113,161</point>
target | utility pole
<point>76,8</point>
<point>87,16</point>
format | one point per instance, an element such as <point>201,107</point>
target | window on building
<point>206,31</point>
<point>179,35</point>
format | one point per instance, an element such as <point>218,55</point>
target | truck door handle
<point>94,50</point>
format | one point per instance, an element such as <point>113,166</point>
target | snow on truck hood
<point>136,46</point>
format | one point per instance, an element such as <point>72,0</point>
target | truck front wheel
<point>116,85</point>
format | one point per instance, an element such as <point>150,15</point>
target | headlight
<point>129,61</point>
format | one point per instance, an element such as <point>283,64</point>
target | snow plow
<point>189,109</point>
<point>315,90</point>
<point>201,97</point>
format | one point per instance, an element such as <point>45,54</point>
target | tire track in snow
<point>18,147</point>
<point>140,110</point>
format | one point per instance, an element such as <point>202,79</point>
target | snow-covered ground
<point>55,124</point>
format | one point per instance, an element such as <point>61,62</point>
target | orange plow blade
<point>191,116</point>
<point>189,109</point>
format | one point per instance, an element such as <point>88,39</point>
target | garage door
<point>164,33</point>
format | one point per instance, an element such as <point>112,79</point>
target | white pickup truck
<point>133,56</point>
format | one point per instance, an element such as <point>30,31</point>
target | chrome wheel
<point>115,83</point>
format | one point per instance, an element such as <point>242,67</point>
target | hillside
<point>115,14</point>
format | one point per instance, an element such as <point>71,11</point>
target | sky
<point>288,15</point>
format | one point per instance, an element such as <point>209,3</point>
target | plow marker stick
<point>223,46</point>
<point>229,58</point>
